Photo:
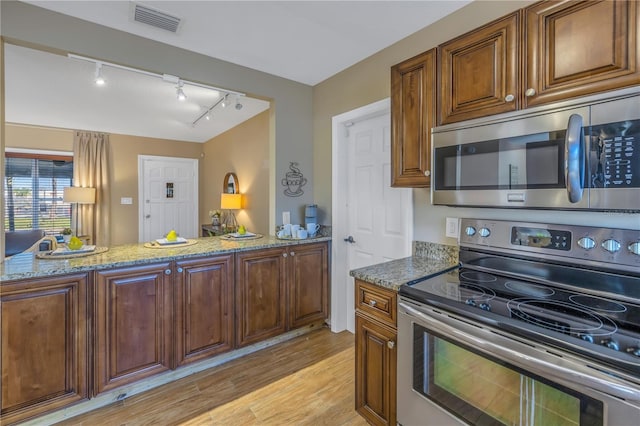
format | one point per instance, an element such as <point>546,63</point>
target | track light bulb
<point>99,80</point>
<point>180,93</point>
<point>208,116</point>
<point>224,101</point>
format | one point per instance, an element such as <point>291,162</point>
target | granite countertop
<point>427,259</point>
<point>27,265</point>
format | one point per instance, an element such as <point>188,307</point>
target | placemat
<point>155,245</point>
<point>48,255</point>
<point>229,237</point>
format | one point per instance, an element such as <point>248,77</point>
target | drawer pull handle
<point>373,303</point>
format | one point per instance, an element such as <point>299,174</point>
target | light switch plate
<point>126,200</point>
<point>286,218</point>
<point>452,227</point>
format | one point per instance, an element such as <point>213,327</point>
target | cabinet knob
<point>180,270</point>
<point>284,254</point>
<point>167,271</point>
<point>373,302</point>
<point>530,92</point>
<point>293,253</point>
<point>509,98</point>
<point>391,344</point>
<point>427,173</point>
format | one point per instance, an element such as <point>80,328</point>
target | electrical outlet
<point>126,200</point>
<point>452,227</point>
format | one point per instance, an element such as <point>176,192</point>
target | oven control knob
<point>634,351</point>
<point>485,306</point>
<point>611,246</point>
<point>484,232</point>
<point>470,231</point>
<point>586,337</point>
<point>611,344</point>
<point>635,248</point>
<point>470,302</point>
<point>586,243</point>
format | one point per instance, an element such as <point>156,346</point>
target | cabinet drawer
<point>376,302</point>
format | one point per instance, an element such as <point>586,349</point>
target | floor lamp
<point>77,195</point>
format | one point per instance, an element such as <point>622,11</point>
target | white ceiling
<point>305,41</point>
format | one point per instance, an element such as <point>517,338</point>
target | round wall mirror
<point>230,184</point>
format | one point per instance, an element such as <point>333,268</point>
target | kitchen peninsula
<point>99,328</point>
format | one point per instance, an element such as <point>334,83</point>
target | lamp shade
<point>230,201</point>
<point>75,194</point>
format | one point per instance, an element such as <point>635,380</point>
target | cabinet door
<point>479,72</point>
<point>260,295</point>
<point>578,48</point>
<point>133,314</point>
<point>43,345</point>
<point>413,106</point>
<point>309,283</point>
<point>375,371</point>
<point>204,308</point>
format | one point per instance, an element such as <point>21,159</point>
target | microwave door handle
<point>535,361</point>
<point>574,158</point>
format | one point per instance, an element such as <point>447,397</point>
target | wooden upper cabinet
<point>479,72</point>
<point>44,345</point>
<point>204,308</point>
<point>579,48</point>
<point>413,105</point>
<point>133,324</point>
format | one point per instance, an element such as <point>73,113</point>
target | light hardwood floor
<point>306,381</point>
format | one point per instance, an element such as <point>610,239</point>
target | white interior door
<point>378,218</point>
<point>168,194</point>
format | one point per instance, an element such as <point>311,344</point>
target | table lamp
<point>76,195</point>
<point>230,202</point>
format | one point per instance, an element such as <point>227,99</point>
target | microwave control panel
<point>616,146</point>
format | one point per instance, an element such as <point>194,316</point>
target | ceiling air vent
<point>155,18</point>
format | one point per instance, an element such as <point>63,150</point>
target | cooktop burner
<point>529,289</point>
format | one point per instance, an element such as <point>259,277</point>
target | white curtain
<point>91,154</point>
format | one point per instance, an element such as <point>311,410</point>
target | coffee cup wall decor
<point>293,181</point>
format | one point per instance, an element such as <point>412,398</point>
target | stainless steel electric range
<point>539,325</point>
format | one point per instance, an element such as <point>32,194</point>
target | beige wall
<point>243,150</point>
<point>369,81</point>
<point>125,150</point>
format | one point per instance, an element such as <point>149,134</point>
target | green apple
<point>242,230</point>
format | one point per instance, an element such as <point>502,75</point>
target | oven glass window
<point>524,162</point>
<point>485,391</point>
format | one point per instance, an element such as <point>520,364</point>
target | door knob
<point>147,216</point>
<point>350,239</point>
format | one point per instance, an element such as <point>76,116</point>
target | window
<point>33,190</point>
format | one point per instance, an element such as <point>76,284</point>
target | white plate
<point>165,242</point>
<point>67,250</point>
<point>245,235</point>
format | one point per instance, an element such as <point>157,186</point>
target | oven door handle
<point>537,361</point>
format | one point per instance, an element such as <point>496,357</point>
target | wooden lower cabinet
<point>261,278</point>
<point>308,284</point>
<point>44,345</point>
<point>280,289</point>
<point>133,324</point>
<point>204,308</point>
<point>376,354</point>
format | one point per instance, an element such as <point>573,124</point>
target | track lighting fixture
<point>172,79</point>
<point>180,93</point>
<point>99,80</point>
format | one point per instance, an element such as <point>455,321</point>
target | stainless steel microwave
<point>574,155</point>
